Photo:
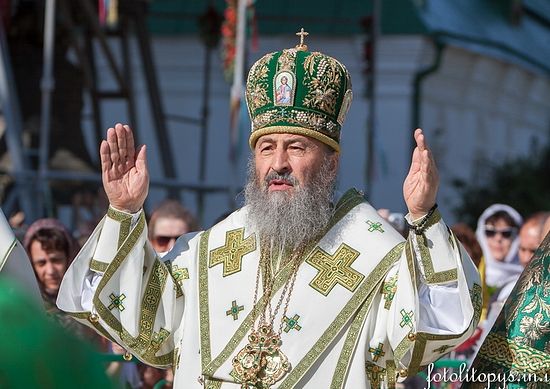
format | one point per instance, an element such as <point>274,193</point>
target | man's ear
<point>334,162</point>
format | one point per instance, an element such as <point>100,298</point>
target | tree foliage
<point>523,183</point>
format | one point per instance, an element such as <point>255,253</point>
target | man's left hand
<point>420,186</point>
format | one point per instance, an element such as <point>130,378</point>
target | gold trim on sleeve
<point>98,266</point>
<point>125,220</point>
<point>142,345</point>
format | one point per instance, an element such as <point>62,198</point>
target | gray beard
<point>290,221</point>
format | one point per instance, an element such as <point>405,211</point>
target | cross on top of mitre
<point>302,34</point>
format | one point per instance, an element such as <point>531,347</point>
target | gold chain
<point>268,283</point>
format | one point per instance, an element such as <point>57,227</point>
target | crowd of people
<point>501,246</point>
<point>51,247</point>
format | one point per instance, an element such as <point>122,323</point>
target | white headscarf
<point>498,273</point>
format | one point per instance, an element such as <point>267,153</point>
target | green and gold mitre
<point>298,92</point>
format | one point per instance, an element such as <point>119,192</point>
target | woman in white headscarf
<point>497,233</point>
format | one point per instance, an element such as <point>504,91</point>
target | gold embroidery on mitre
<point>315,121</point>
<point>287,60</point>
<point>257,84</point>
<point>323,86</point>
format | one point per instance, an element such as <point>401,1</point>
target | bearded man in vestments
<point>296,289</point>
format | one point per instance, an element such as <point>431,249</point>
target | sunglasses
<point>162,240</point>
<point>506,233</point>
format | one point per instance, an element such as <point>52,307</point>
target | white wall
<point>482,111</point>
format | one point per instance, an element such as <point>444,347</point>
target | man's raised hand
<point>124,169</point>
<point>420,186</point>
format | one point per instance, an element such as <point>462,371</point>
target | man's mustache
<point>288,177</point>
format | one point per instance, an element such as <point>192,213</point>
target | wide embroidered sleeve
<point>430,303</point>
<point>119,286</point>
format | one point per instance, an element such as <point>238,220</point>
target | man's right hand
<point>124,170</point>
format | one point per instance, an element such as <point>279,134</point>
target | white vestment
<point>14,262</point>
<point>367,306</point>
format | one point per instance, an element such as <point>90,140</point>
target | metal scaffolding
<point>89,39</point>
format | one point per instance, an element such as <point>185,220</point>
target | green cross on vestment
<point>375,226</point>
<point>443,349</point>
<point>292,324</point>
<point>407,319</point>
<point>234,310</point>
<point>377,352</point>
<point>231,254</point>
<point>116,301</point>
<point>180,273</point>
<point>335,269</point>
<point>159,337</point>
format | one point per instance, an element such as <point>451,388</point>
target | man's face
<point>296,156</point>
<point>529,240</point>
<point>166,231</point>
<point>49,266</point>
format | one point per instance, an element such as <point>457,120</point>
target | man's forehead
<point>286,137</point>
<point>170,225</point>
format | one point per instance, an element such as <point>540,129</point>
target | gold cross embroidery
<point>116,301</point>
<point>335,269</point>
<point>292,324</point>
<point>180,273</point>
<point>375,226</point>
<point>157,339</point>
<point>407,319</point>
<point>377,352</point>
<point>375,374</point>
<point>234,310</point>
<point>232,253</point>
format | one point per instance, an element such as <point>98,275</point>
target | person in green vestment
<point>36,352</point>
<point>516,351</point>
